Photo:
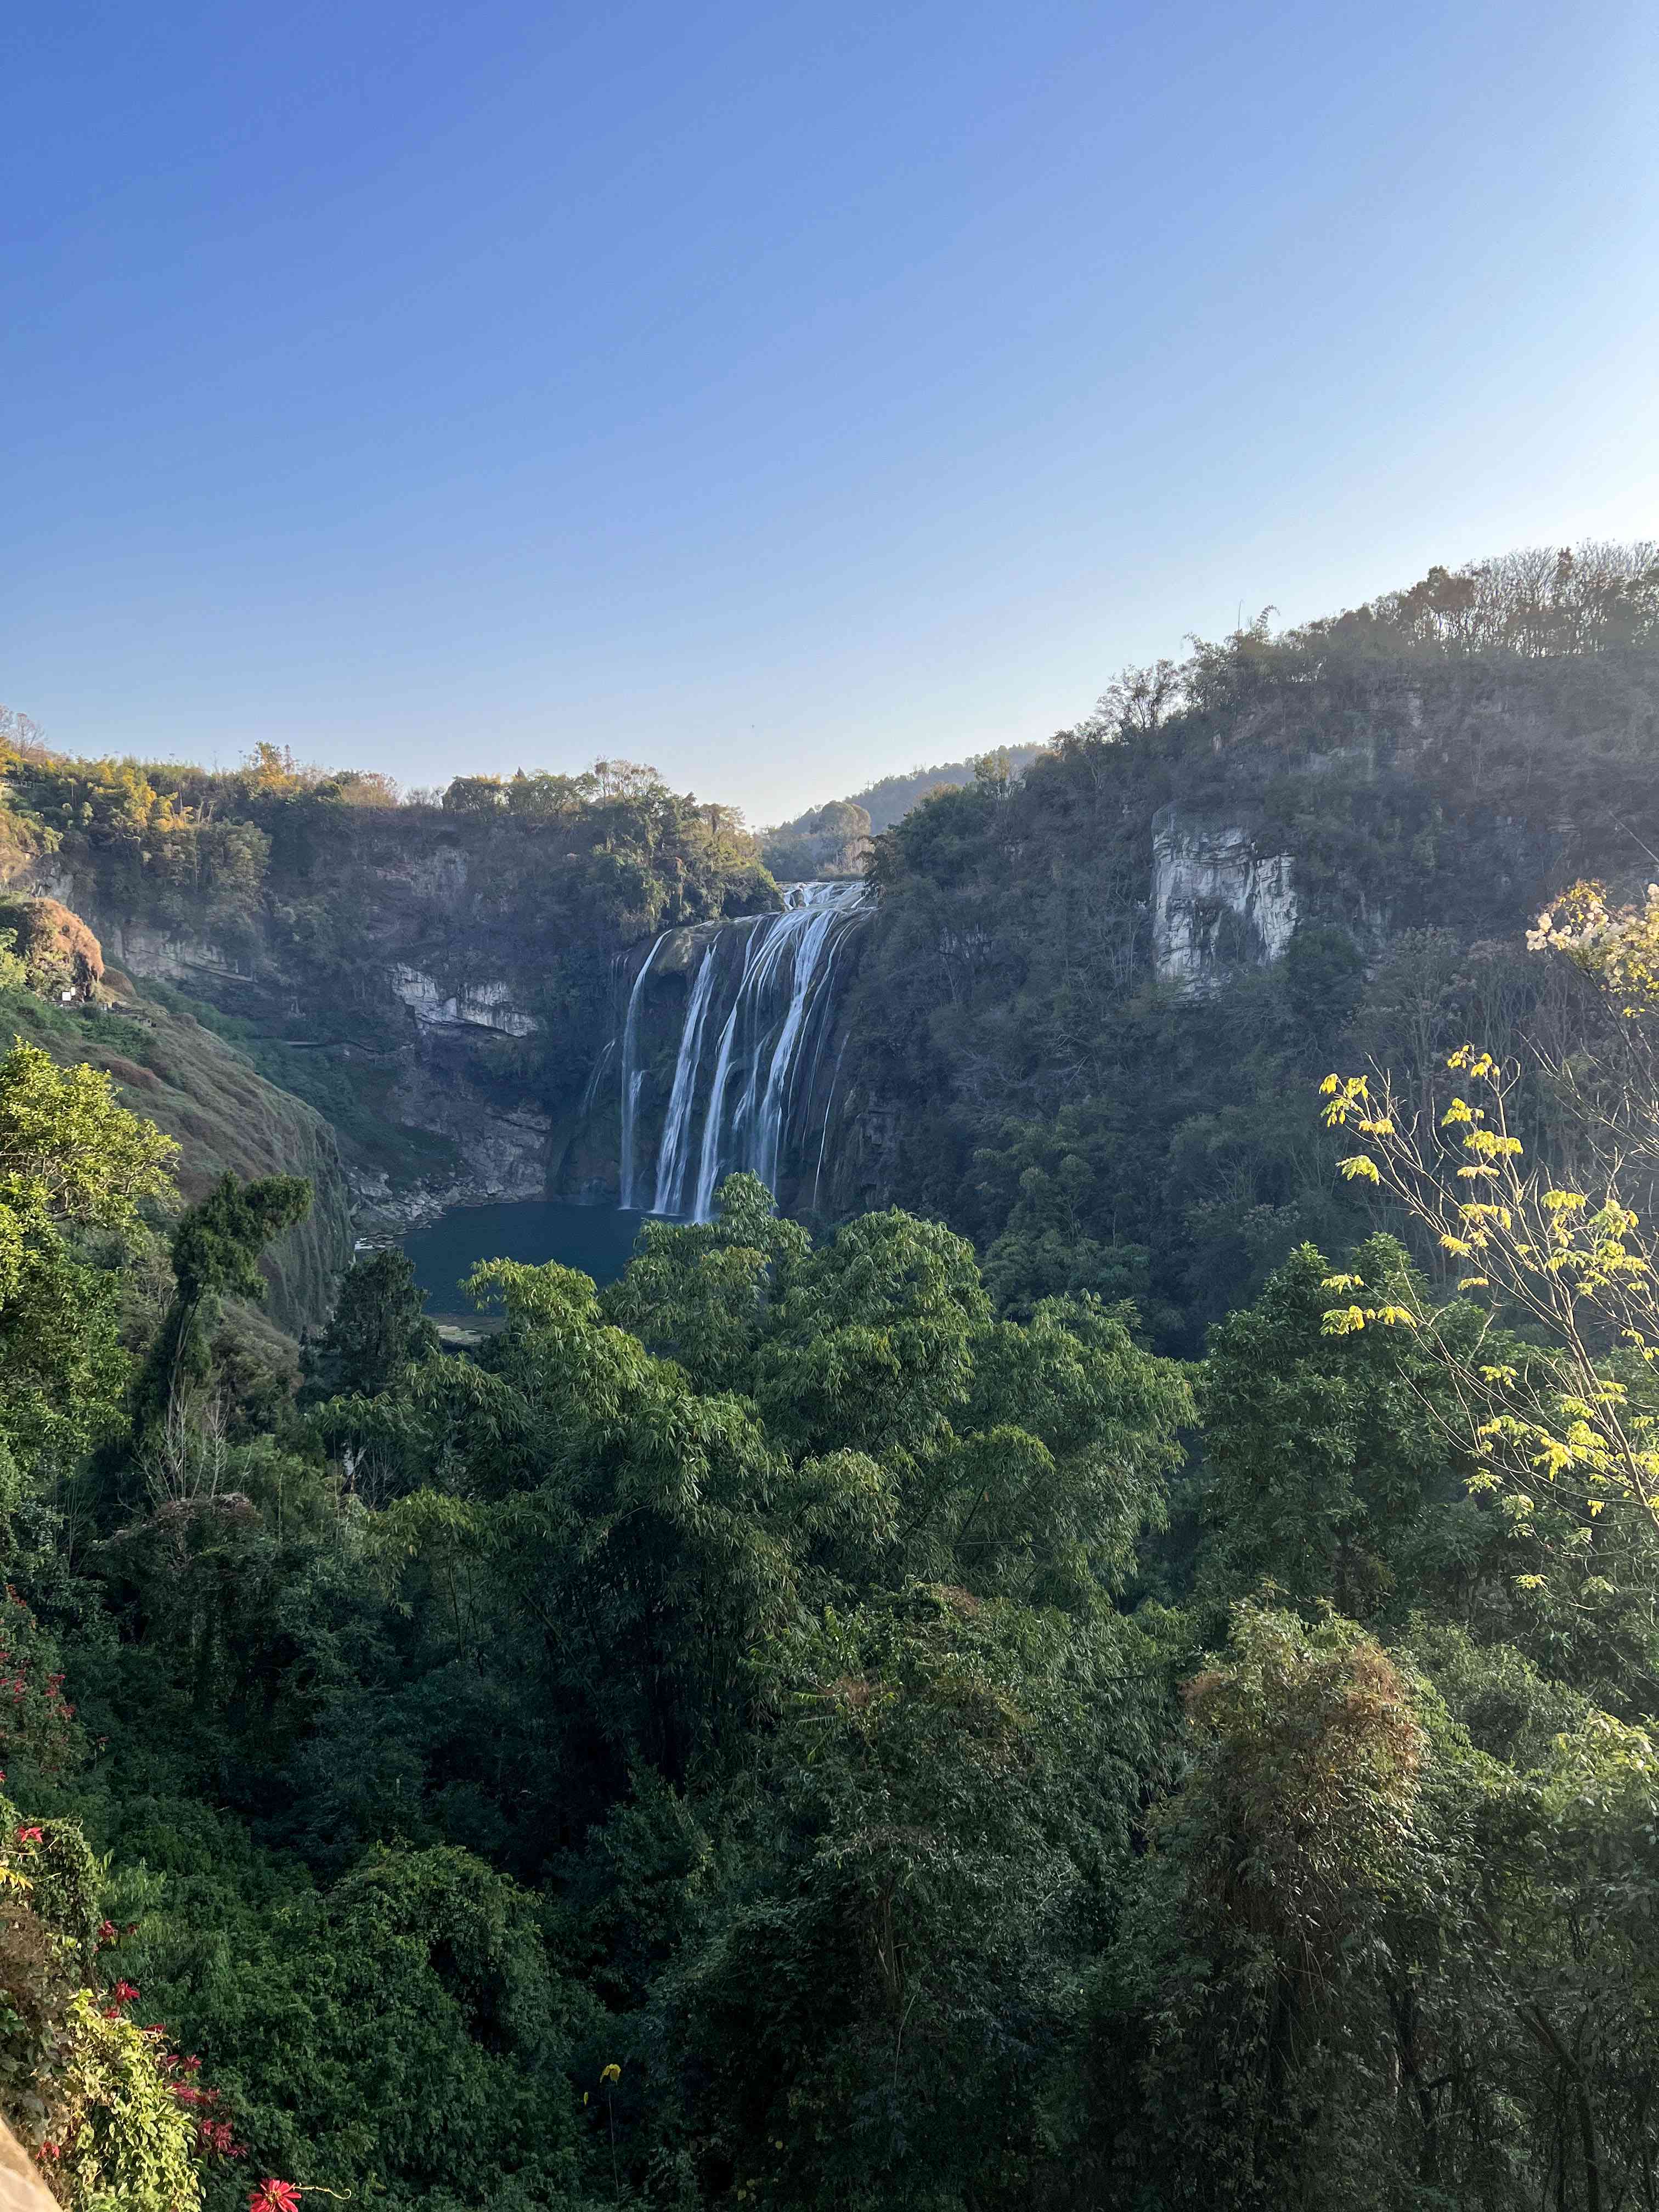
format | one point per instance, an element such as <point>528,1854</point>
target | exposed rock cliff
<point>1218,901</point>
<point>432,979</point>
<point>470,1006</point>
<point>417,1046</point>
<point>59,951</point>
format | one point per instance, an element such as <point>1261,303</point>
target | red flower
<point>31,1836</point>
<point>275,2197</point>
<point>125,1992</point>
<point>50,2150</point>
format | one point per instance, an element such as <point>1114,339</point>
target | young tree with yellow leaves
<point>1564,1413</point>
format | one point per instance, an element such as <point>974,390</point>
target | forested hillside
<point>1130,1680</point>
<point>891,798</point>
<point>833,839</point>
<point>1071,1037</point>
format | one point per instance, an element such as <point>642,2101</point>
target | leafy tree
<point>69,1153</point>
<point>994,1454</point>
<point>1225,1996</point>
<point>474,794</point>
<point>215,1251</point>
<point>1571,1266</point>
<point>1332,1472</point>
<point>602,1524</point>
<point>376,1330</point>
<point>886,1980</point>
<point>74,1166</point>
<point>1324,980</point>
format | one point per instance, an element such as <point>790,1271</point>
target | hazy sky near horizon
<point>784,395</point>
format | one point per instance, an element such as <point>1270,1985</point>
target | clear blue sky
<point>783,394</point>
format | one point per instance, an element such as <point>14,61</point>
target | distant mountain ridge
<point>834,839</point>
<point>891,797</point>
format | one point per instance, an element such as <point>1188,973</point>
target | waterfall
<point>757,1022</point>
<point>632,1076</point>
<point>670,1194</point>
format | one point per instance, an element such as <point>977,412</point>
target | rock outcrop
<point>60,953</point>
<point>474,1005</point>
<point>1218,903</point>
<point>443,1080</point>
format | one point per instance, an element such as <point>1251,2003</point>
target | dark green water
<point>598,1239</point>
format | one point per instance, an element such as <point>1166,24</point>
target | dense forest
<point>1126,1678</point>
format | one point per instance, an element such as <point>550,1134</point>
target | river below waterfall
<point>598,1239</point>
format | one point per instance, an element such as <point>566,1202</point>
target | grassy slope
<point>225,1114</point>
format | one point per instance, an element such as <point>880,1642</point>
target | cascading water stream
<point>632,1076</point>
<point>752,1045</point>
<point>793,947</point>
<point>669,1197</point>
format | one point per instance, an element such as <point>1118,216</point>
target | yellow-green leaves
<point>69,1151</point>
<point>1349,1098</point>
<point>1346,1321</point>
<point>1570,1267</point>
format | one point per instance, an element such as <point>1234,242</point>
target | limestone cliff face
<point>1219,904</point>
<point>470,1006</point>
<point>166,956</point>
<point>436,983</point>
<point>149,949</point>
<point>499,1139</point>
